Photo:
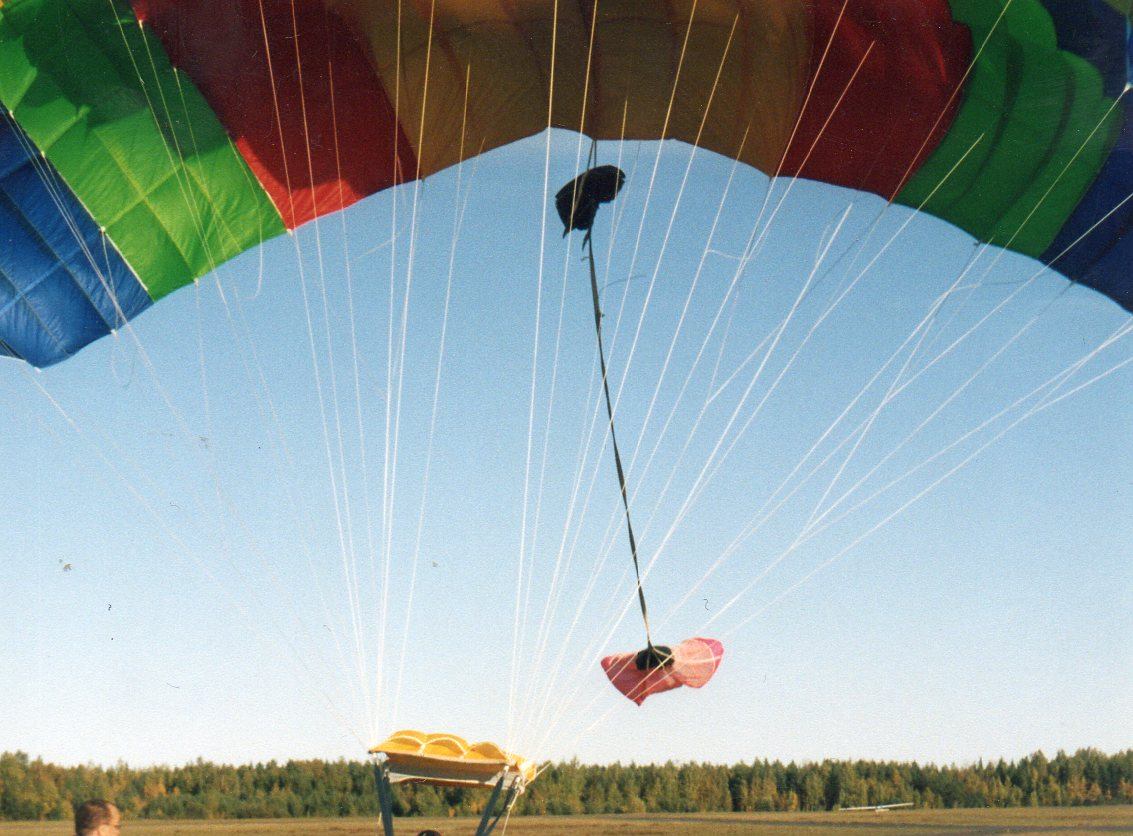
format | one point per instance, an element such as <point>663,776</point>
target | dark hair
<point>90,815</point>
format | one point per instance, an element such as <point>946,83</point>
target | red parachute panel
<point>917,56</point>
<point>317,145</point>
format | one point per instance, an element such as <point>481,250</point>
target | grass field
<point>1115,819</point>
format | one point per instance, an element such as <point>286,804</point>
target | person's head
<point>97,818</point>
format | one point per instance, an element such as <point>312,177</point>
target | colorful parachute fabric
<point>163,149</point>
<point>694,662</point>
<point>64,284</point>
<point>450,760</point>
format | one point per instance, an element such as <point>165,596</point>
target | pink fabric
<point>694,663</point>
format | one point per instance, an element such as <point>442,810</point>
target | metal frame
<point>508,780</point>
<point>385,797</point>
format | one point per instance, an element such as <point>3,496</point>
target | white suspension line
<point>515,636</point>
<point>963,463</point>
<point>55,193</point>
<point>609,634</point>
<point>968,71</point>
<point>229,506</point>
<point>829,310</point>
<point>549,411</point>
<point>1038,273</point>
<point>350,562</point>
<point>684,181</point>
<point>355,615</point>
<point>381,585</point>
<point>1062,378</point>
<point>589,430</point>
<point>363,465</point>
<point>182,550</point>
<point>747,424</point>
<point>459,206</point>
<point>404,329</point>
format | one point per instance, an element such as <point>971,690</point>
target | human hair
<point>91,815</point>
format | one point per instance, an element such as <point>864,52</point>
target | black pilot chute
<point>577,202</point>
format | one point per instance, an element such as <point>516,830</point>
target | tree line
<point>34,789</point>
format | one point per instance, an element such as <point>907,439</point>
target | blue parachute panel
<point>1094,30</point>
<point>1092,247</point>
<point>62,283</point>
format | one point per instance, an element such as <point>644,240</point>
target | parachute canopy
<point>693,662</point>
<point>449,760</point>
<point>144,143</point>
<point>446,760</point>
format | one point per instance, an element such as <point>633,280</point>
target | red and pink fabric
<point>694,663</point>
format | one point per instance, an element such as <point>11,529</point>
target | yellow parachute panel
<point>449,760</point>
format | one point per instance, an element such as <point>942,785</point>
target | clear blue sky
<point>206,611</point>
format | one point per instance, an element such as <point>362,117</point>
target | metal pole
<point>385,797</point>
<point>485,828</point>
<point>512,794</point>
